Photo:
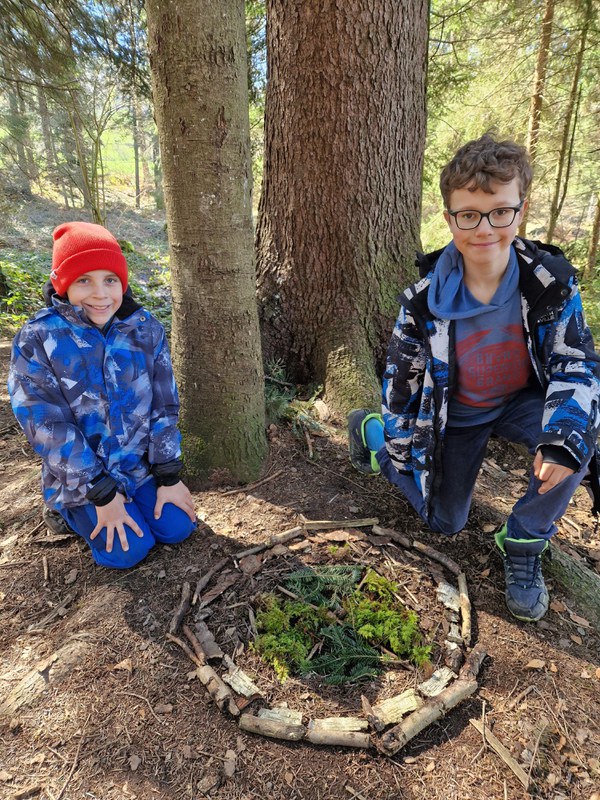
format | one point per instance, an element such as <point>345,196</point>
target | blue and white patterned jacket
<point>420,370</point>
<point>94,404</point>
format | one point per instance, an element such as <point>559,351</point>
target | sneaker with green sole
<point>361,457</point>
<point>526,593</point>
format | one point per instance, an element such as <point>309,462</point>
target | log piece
<point>582,584</point>
<point>281,714</point>
<point>391,711</point>
<point>275,729</point>
<point>332,524</point>
<point>196,646</point>
<point>448,595</point>
<point>338,732</point>
<point>241,683</point>
<point>395,536</point>
<point>206,640</point>
<point>465,609</point>
<point>219,692</point>
<point>436,707</point>
<point>438,681</point>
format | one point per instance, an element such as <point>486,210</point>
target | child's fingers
<point>122,538</point>
<point>158,508</point>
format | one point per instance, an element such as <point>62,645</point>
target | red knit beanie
<point>82,247</point>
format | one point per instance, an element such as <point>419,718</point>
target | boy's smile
<point>485,248</point>
<point>100,294</point>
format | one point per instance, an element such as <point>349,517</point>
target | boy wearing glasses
<point>492,341</point>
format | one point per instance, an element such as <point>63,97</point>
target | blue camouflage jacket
<point>94,404</point>
<point>420,369</point>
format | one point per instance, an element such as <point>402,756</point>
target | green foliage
<point>283,403</point>
<point>24,275</point>
<point>380,619</point>
<point>348,651</point>
<point>324,586</point>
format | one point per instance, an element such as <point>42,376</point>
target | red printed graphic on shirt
<point>492,365</point>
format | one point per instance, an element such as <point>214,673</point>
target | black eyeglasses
<point>497,217</point>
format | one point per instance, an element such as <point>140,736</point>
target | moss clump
<point>348,651</point>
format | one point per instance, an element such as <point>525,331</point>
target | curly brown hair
<point>479,162</point>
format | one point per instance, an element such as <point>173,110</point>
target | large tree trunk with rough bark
<point>198,64</point>
<point>340,205</point>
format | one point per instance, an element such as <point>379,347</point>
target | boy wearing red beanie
<point>92,386</point>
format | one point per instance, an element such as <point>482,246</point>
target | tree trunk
<point>49,147</point>
<point>590,267</point>
<point>159,198</point>
<point>198,63</point>
<point>582,584</point>
<point>563,165</point>
<point>537,97</point>
<point>340,204</point>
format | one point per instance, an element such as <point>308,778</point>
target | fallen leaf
<point>561,743</point>
<point>410,760</point>
<point>229,763</point>
<point>5,776</point>
<point>163,708</point>
<point>251,565</point>
<point>125,665</point>
<point>582,734</point>
<point>336,536</point>
<point>535,663</point>
<point>289,778</point>
<point>485,573</point>
<point>579,620</point>
<point>585,674</point>
<point>558,606</point>
<point>552,779</point>
<point>598,673</point>
<point>279,550</point>
<point>489,528</point>
<point>186,751</point>
<point>70,577</point>
<point>220,588</point>
<point>553,667</point>
<point>134,762</point>
<point>577,639</point>
<point>430,766</point>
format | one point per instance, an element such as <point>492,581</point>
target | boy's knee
<point>447,527</point>
<point>172,526</point>
<point>138,549</point>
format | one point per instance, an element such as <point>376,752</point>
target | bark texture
<point>198,64</point>
<point>340,205</point>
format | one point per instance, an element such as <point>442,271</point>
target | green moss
<point>348,651</point>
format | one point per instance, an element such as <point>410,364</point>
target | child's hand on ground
<point>113,516</point>
<point>550,475</point>
<point>179,495</point>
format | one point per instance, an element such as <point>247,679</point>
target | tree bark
<point>590,266</point>
<point>198,64</point>
<point>537,97</point>
<point>563,165</point>
<point>340,204</point>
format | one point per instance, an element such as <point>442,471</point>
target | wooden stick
<point>185,648</point>
<point>332,524</point>
<point>276,729</point>
<point>182,609</point>
<point>521,696</point>
<point>75,760</point>
<point>219,692</point>
<point>436,707</point>
<point>277,538</point>
<point>203,581</point>
<point>196,646</point>
<point>437,556</point>
<point>465,609</point>
<point>45,568</point>
<point>308,443</point>
<point>502,751</point>
<point>395,536</point>
<point>329,614</point>
<point>255,485</point>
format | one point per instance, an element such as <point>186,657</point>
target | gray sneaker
<point>526,593</point>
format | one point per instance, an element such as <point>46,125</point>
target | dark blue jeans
<point>532,516</point>
<point>171,527</point>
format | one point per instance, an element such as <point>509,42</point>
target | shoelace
<point>524,568</point>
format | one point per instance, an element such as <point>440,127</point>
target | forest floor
<point>96,701</point>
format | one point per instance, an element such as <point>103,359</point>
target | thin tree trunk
<point>591,265</point>
<point>198,62</point>
<point>159,198</point>
<point>340,203</point>
<point>537,97</point>
<point>49,147</point>
<point>563,166</point>
<point>16,129</point>
<point>136,154</point>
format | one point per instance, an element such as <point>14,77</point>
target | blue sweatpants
<point>532,516</point>
<point>173,526</point>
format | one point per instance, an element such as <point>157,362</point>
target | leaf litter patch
<point>334,629</point>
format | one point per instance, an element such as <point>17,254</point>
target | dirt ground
<point>96,702</point>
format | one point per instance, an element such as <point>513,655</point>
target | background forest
<point>78,135</point>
